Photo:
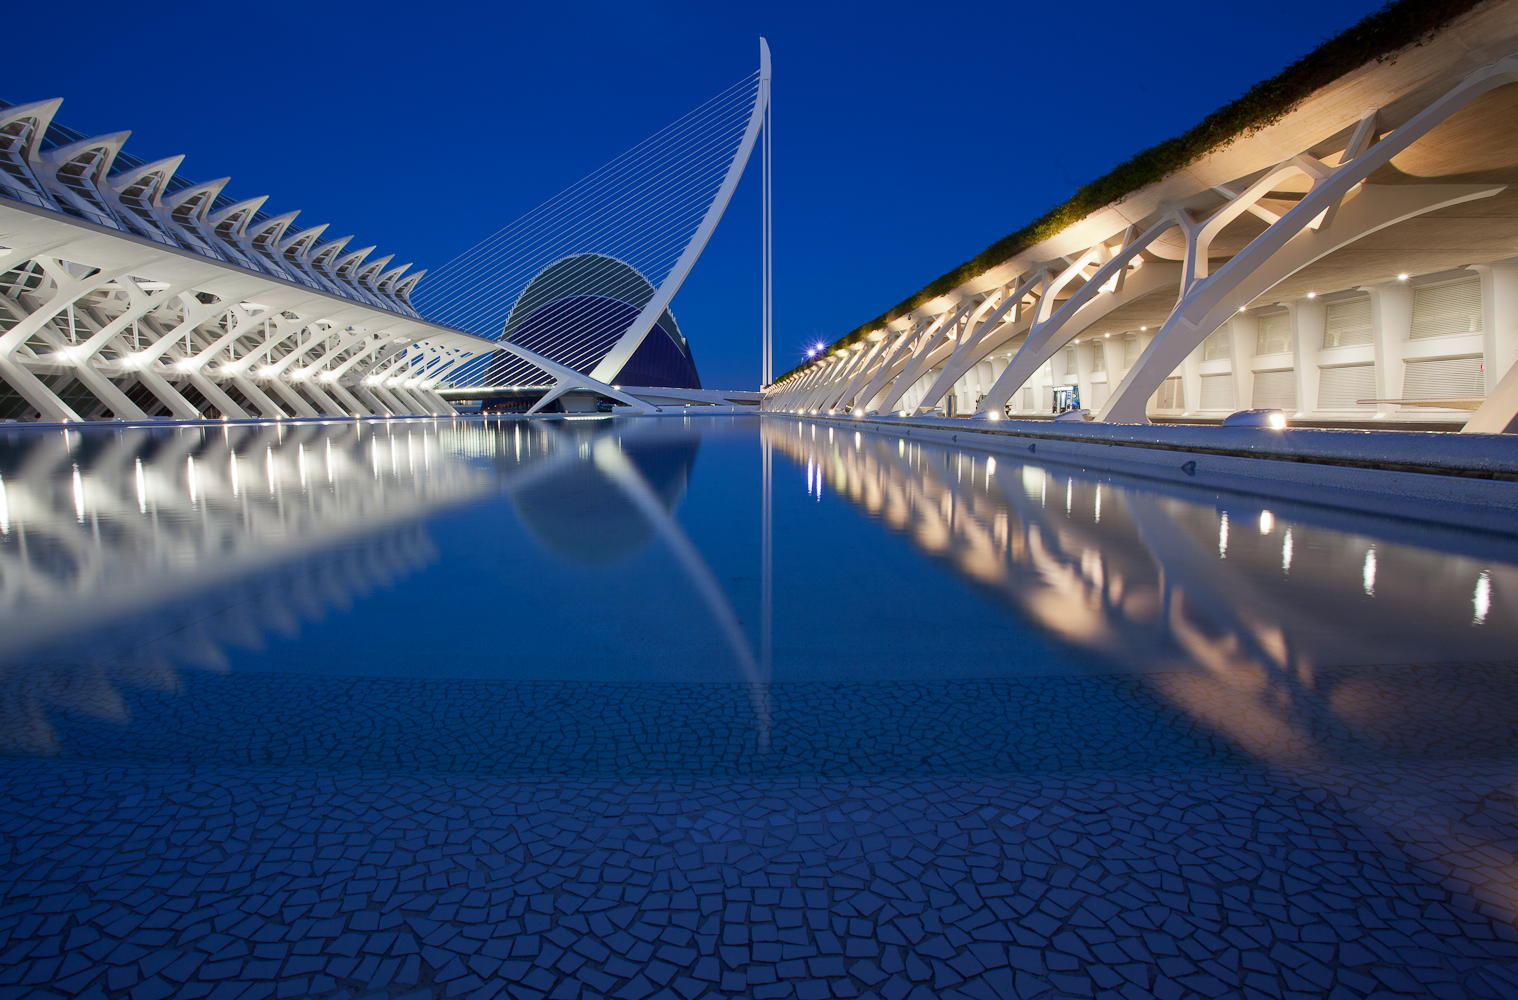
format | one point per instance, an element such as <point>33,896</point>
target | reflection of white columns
<point>1309,318</point>
<point>1391,322</point>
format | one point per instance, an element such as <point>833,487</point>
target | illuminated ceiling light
<point>1312,295</point>
<point>1401,277</point>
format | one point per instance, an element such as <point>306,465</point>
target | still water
<point>708,596</point>
<point>731,707</point>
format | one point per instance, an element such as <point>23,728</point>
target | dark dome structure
<point>575,310</point>
<point>580,514</point>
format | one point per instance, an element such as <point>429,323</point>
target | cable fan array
<point>619,235</point>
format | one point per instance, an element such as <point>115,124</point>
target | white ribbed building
<point>130,292</point>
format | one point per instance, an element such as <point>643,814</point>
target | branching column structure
<point>1220,252</point>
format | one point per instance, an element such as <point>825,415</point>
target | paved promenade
<point>1140,858</point>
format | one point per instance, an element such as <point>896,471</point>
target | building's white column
<point>1391,322</point>
<point>1243,337</point>
<point>1083,365</point>
<point>1309,318</point>
<point>1499,319</point>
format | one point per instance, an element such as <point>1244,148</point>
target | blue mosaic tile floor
<point>170,882</point>
<point>1004,857</point>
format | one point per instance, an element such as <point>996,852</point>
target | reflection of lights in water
<point>5,510</point>
<point>1069,493</point>
<point>1098,502</point>
<point>990,471</point>
<point>269,465</point>
<point>1267,522</point>
<point>1368,577</point>
<point>857,440</point>
<point>1223,536</point>
<point>1272,664</point>
<point>300,463</point>
<point>901,447</point>
<point>106,583</point>
<point>329,460</point>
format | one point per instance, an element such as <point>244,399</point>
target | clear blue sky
<point>908,136</point>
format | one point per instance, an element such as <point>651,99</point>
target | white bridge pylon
<point>654,208</point>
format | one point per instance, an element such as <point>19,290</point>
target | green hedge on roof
<point>1389,29</point>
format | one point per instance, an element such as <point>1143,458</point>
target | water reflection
<point>1251,619</point>
<point>1335,650</point>
<point>128,557</point>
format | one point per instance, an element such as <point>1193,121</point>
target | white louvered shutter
<point>1453,307</point>
<point>1445,378</point>
<point>1348,323</point>
<point>1274,333</point>
<point>1217,392</point>
<point>1217,347</point>
<point>1340,388</point>
<point>1275,390</point>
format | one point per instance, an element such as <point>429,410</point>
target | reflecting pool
<point>733,707</point>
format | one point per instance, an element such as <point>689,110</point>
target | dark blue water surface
<point>721,706</point>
